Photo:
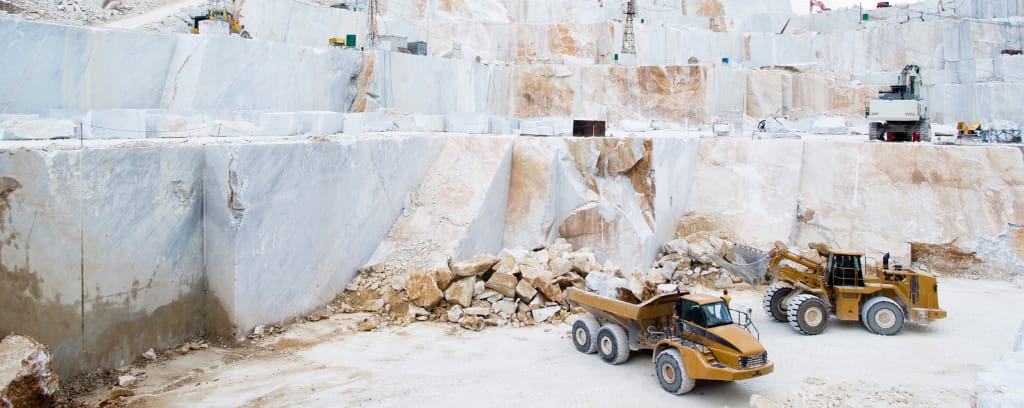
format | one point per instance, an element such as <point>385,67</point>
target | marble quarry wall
<point>166,239</point>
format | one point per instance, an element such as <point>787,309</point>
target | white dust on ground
<point>433,364</point>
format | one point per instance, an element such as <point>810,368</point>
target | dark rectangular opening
<point>588,128</point>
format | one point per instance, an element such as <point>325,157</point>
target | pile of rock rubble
<point>520,287</point>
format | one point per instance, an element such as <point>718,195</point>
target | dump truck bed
<point>656,307</point>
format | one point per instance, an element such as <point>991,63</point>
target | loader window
<point>845,270</point>
<point>716,314</point>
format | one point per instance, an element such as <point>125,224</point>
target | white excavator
<point>899,114</point>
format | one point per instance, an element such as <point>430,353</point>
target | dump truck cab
<point>692,336</point>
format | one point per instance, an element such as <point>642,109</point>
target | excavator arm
<point>821,6</point>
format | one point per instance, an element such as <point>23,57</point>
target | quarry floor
<point>327,363</point>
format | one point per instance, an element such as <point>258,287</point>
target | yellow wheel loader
<point>692,337</point>
<point>234,26</point>
<point>808,292</point>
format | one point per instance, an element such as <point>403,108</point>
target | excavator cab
<point>845,269</point>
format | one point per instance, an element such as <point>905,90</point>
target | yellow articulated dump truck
<point>692,336</point>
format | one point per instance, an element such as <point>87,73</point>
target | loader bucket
<point>751,264</point>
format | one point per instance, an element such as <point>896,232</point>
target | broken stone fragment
<point>460,292</point>
<point>422,289</point>
<point>549,290</point>
<point>149,355</point>
<point>583,262</point>
<point>127,380</point>
<point>505,308</point>
<point>479,287</point>
<point>531,272</point>
<point>570,279</point>
<point>454,313</point>
<point>26,373</point>
<point>118,392</point>
<point>525,291</point>
<point>183,349</point>
<point>503,283</point>
<point>472,267</point>
<point>475,323</point>
<point>367,324</point>
<point>443,276</point>
<point>373,305</point>
<point>545,313</point>
<point>477,311</point>
<point>724,281</point>
<point>319,314</point>
<point>558,249</point>
<point>560,266</point>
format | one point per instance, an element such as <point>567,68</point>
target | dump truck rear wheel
<point>611,344</point>
<point>584,332</point>
<point>774,301</point>
<point>672,373</point>
<point>808,314</point>
<point>882,316</point>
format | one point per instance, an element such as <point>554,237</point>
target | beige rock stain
<point>364,81</point>
<point>674,93</point>
<point>451,6</point>
<point>540,93</point>
<point>561,41</point>
<point>528,185</point>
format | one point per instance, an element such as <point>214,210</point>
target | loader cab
<point>845,269</point>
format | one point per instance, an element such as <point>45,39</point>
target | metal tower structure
<point>628,39</point>
<point>371,14</point>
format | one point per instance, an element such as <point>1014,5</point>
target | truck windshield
<point>716,314</point>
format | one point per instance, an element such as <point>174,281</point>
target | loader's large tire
<point>672,373</point>
<point>808,314</point>
<point>775,301</point>
<point>882,316</point>
<point>584,334</point>
<point>611,344</point>
<point>245,35</point>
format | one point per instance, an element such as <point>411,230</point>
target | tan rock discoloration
<point>529,184</point>
<point>561,41</point>
<point>451,6</point>
<point>674,93</point>
<point>541,92</point>
<point>715,12</point>
<point>365,79</point>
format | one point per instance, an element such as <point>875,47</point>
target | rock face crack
<point>235,186</point>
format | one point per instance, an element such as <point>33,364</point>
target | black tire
<point>611,344</point>
<point>882,316</point>
<point>774,301</point>
<point>876,131</point>
<point>245,35</point>
<point>672,373</point>
<point>584,332</point>
<point>808,314</point>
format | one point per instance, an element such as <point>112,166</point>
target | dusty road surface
<point>430,364</point>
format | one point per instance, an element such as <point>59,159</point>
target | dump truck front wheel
<point>672,373</point>
<point>584,332</point>
<point>611,344</point>
<point>775,301</point>
<point>882,316</point>
<point>808,314</point>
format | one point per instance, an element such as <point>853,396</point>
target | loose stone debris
<point>520,287</point>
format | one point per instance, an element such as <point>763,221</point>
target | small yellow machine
<point>692,336</point>
<point>234,25</point>
<point>807,292</point>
